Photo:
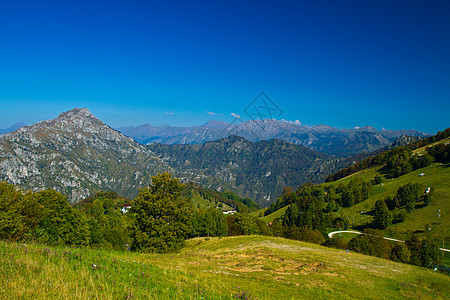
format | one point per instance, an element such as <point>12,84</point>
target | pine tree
<point>383,217</point>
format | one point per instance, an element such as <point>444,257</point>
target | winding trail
<point>330,235</point>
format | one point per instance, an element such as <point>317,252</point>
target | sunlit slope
<point>246,267</point>
<point>436,177</point>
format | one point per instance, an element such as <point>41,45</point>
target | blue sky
<point>338,63</point>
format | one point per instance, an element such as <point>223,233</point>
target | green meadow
<point>433,218</point>
<point>245,267</point>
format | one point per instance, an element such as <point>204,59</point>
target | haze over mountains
<point>259,170</point>
<point>12,128</point>
<point>329,140</point>
<point>78,155</point>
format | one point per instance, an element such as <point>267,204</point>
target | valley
<point>229,218</point>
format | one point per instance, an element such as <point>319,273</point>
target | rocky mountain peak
<point>76,113</point>
<point>77,119</point>
<point>213,124</point>
<point>76,154</point>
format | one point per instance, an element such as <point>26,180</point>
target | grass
<point>247,267</point>
<point>346,236</point>
<point>276,214</point>
<point>258,212</point>
<point>437,177</point>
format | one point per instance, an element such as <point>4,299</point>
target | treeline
<point>161,218</point>
<point>44,216</point>
<point>401,160</point>
<point>312,210</point>
<point>330,197</point>
<point>417,250</point>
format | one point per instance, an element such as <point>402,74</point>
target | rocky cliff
<point>76,154</point>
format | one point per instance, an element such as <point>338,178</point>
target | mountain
<point>329,140</point>
<point>167,134</point>
<point>403,140</point>
<point>148,134</point>
<point>257,170</point>
<point>76,154</point>
<point>79,155</point>
<point>12,128</point>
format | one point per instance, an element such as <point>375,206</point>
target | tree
<point>378,179</point>
<point>162,216</point>
<point>371,243</point>
<point>19,212</point>
<point>383,217</point>
<point>212,223</point>
<point>291,216</point>
<point>409,193</point>
<point>400,253</point>
<point>426,199</point>
<point>423,251</point>
<point>60,223</point>
<point>108,226</point>
<point>242,224</point>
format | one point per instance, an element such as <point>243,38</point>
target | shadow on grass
<point>364,226</point>
<point>369,213</point>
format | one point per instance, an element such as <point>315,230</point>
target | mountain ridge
<point>12,128</point>
<point>259,170</point>
<point>76,154</point>
<point>323,138</point>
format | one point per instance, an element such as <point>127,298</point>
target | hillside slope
<point>416,198</point>
<point>435,216</point>
<point>250,267</point>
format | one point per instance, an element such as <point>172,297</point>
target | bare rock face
<point>76,154</point>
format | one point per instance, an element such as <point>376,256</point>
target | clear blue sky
<point>338,63</point>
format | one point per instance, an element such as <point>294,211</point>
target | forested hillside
<point>400,193</point>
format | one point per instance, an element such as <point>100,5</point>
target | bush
<point>371,243</point>
<point>400,253</point>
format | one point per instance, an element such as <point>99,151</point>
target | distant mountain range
<point>259,170</point>
<point>12,128</point>
<point>79,155</point>
<point>329,140</point>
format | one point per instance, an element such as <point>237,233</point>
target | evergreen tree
<point>378,179</point>
<point>291,216</point>
<point>383,217</point>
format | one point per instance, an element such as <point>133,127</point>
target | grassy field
<point>277,214</point>
<point>247,267</point>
